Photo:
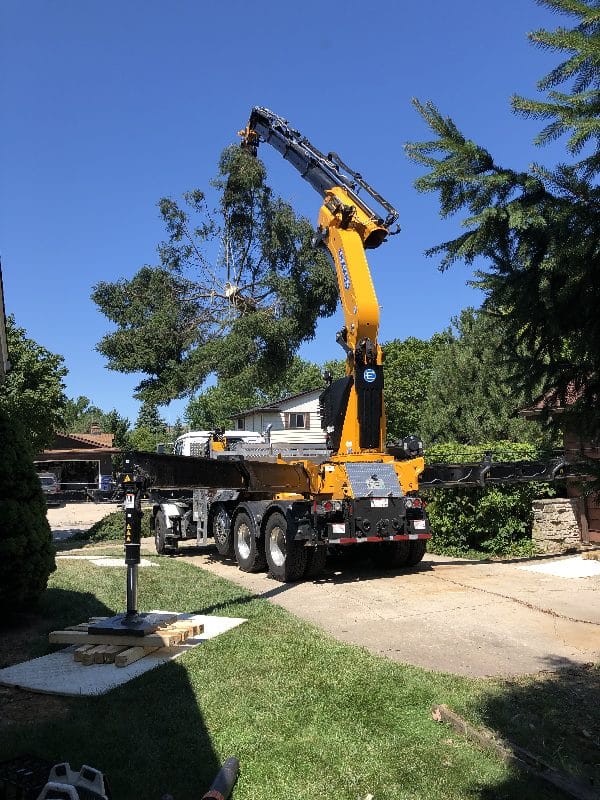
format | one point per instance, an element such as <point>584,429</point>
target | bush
<point>493,520</point>
<point>112,527</point>
<point>26,549</point>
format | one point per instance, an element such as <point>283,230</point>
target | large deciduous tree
<point>238,289</point>
<point>33,391</point>
<point>536,232</point>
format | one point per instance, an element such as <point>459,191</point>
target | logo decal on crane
<point>344,269</point>
<point>369,375</point>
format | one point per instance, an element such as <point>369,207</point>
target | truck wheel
<point>222,533</point>
<point>390,555</point>
<point>286,557</point>
<point>248,549</point>
<point>315,561</point>
<point>160,535</point>
<point>416,553</point>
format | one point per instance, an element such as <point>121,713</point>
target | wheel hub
<point>277,548</point>
<point>244,537</point>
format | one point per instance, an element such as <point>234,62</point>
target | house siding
<point>308,404</point>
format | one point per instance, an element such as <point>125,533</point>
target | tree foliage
<point>496,520</point>
<point>149,430</point>
<point>26,550</point>
<point>80,414</point>
<point>33,392</point>
<point>238,289</point>
<point>470,398</point>
<point>214,407</point>
<point>536,231</point>
<point>407,370</point>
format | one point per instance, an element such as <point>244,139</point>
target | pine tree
<point>538,230</point>
<point>469,396</point>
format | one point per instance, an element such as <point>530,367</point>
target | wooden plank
<point>187,627</point>
<point>515,755</point>
<point>110,652</point>
<point>89,657</point>
<point>83,626</point>
<point>78,654</point>
<point>158,639</point>
<point>132,654</point>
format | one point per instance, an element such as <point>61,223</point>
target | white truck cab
<point>194,443</point>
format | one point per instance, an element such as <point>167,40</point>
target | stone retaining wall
<point>555,524</point>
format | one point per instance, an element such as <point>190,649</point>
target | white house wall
<point>258,421</point>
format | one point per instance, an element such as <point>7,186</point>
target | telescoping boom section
<point>347,226</point>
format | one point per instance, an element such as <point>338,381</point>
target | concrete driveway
<point>451,615</point>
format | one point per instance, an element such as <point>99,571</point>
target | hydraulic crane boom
<point>288,514</point>
<point>347,226</point>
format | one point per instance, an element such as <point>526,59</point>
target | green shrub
<point>494,520</point>
<point>26,549</point>
<point>113,527</point>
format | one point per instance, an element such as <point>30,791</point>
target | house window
<point>240,424</point>
<point>294,420</point>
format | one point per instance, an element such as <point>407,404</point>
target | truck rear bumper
<point>362,539</point>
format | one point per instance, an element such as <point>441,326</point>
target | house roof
<point>552,402</point>
<point>76,453</point>
<point>277,405</point>
<point>90,439</point>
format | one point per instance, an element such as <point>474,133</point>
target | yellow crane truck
<point>284,515</point>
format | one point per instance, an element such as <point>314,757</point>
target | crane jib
<point>323,172</point>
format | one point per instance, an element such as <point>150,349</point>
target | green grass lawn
<point>307,716</point>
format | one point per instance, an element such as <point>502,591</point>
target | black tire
<point>417,551</point>
<point>390,555</point>
<point>222,532</point>
<point>160,534</point>
<point>286,557</point>
<point>315,561</point>
<point>248,549</point>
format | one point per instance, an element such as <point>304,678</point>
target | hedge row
<point>493,520</point>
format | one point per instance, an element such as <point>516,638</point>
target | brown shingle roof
<point>94,439</point>
<point>552,402</point>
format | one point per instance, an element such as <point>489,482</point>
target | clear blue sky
<point>108,106</point>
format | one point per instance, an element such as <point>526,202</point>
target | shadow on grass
<point>84,541</point>
<point>147,736</point>
<point>554,716</point>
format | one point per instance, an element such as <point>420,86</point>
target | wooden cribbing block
<point>89,657</point>
<point>105,653</point>
<point>80,652</point>
<point>164,638</point>
<point>132,654</point>
<point>190,628</point>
